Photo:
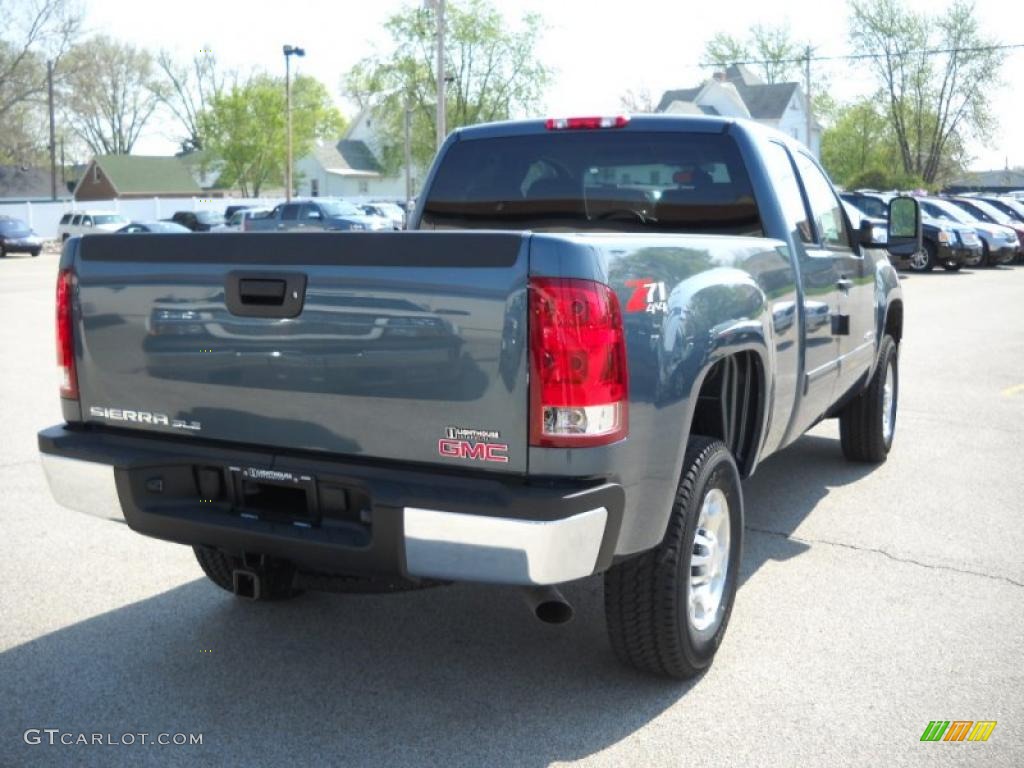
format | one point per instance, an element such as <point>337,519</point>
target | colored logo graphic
<point>958,730</point>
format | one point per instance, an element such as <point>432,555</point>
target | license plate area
<point>275,496</point>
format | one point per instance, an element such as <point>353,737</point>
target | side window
<point>87,221</point>
<point>311,212</point>
<point>825,208</point>
<point>289,212</point>
<point>783,177</point>
<point>76,221</point>
<point>65,218</point>
<point>874,207</point>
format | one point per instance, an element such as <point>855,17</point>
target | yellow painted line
<point>1017,389</point>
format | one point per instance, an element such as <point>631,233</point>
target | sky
<point>598,50</point>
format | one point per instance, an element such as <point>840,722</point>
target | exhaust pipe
<point>246,583</point>
<point>547,604</point>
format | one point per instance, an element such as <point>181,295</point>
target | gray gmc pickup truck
<point>596,329</point>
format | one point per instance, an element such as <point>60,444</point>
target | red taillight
<point>578,379</point>
<point>585,123</point>
<point>65,335</point>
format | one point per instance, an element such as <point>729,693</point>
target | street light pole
<point>289,51</point>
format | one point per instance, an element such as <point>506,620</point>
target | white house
<point>738,92</point>
<point>350,168</point>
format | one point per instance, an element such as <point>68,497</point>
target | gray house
<point>738,92</point>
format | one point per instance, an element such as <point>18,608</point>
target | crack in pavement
<point>898,559</point>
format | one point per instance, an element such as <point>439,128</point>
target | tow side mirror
<point>905,234</point>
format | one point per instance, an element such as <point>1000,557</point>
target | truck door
<point>818,278</point>
<point>853,322</point>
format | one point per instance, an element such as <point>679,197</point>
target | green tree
<point>723,50</point>
<point>493,69</point>
<point>859,139</point>
<point>772,48</point>
<point>31,32</point>
<point>245,128</point>
<point>109,93</point>
<point>936,73</point>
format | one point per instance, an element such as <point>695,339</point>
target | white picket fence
<point>44,217</point>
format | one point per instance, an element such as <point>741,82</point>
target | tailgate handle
<point>265,294</point>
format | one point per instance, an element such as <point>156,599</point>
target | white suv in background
<point>89,222</point>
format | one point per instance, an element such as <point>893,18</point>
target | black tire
<point>3,253</point>
<point>646,597</point>
<point>861,422</point>
<point>34,253</point>
<point>277,582</point>
<point>952,267</point>
<point>986,255</point>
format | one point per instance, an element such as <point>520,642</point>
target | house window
<point>364,187</point>
<point>314,188</point>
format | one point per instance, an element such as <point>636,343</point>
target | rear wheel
<point>868,423</point>
<point>34,253</point>
<point>667,610</point>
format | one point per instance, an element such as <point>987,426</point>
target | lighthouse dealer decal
<point>476,444</point>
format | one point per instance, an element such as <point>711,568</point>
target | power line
<point>893,54</point>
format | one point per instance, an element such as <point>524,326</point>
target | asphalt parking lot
<point>874,599</point>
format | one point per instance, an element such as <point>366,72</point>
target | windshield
<point>13,225</point>
<point>596,180</point>
<point>941,209</point>
<point>989,210</point>
<point>104,218</point>
<point>339,208</point>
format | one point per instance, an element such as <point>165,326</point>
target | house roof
<point>147,175</point>
<point>766,101</point>
<point>680,94</point>
<point>348,157</point>
<point>21,183</point>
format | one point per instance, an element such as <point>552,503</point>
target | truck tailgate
<point>407,345</point>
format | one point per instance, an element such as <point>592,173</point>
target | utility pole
<point>807,76</point>
<point>53,132</point>
<point>441,119</point>
<point>408,154</point>
<point>289,51</point>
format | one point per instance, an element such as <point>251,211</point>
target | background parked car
<point>316,215</point>
<point>999,244</point>
<point>236,221</point>
<point>89,223</point>
<point>153,227</point>
<point>17,237</point>
<point>231,209</point>
<point>388,210</point>
<point>987,212</point>
<point>944,243</point>
<point>198,221</point>
<point>1007,205</point>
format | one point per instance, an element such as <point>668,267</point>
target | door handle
<point>265,294</point>
<point>844,284</point>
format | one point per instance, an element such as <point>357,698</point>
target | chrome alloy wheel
<point>889,403</point>
<point>709,564</point>
<point>919,261</point>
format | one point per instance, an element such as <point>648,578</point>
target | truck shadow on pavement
<point>461,675</point>
<point>786,488</point>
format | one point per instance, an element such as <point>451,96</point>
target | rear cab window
<point>595,181</point>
